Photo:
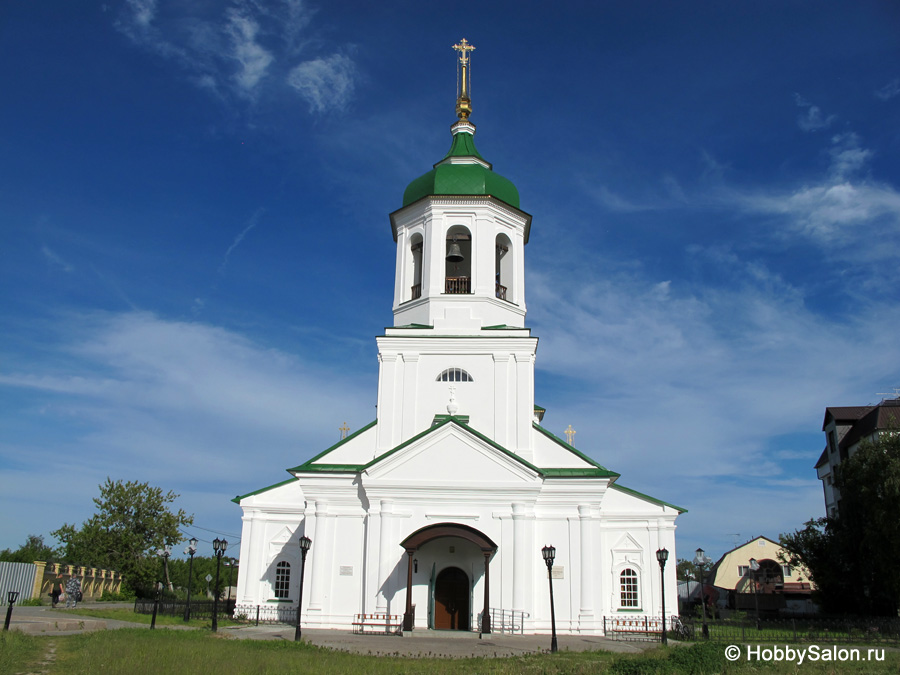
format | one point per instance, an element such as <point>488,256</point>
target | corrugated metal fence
<point>16,577</point>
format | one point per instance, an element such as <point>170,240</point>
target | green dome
<point>469,178</point>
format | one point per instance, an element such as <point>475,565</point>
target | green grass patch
<point>126,614</point>
<point>18,651</point>
<point>173,652</point>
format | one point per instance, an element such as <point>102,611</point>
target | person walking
<point>56,590</point>
<point>73,592</point>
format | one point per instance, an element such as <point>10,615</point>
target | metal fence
<point>849,629</point>
<point>17,577</point>
<point>200,609</point>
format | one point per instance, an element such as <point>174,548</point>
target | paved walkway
<point>454,644</point>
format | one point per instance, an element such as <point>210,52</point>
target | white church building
<point>437,510</point>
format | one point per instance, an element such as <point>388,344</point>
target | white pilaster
<point>586,617</point>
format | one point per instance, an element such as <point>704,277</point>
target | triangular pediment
<point>452,453</point>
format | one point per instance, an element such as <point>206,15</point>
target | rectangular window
<point>786,570</point>
<point>743,570</point>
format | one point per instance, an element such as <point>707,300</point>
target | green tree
<point>133,521</point>
<point>33,549</point>
<point>685,570</point>
<point>852,558</point>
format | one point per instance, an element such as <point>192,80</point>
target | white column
<point>522,561</point>
<point>373,557</point>
<point>318,582</point>
<point>385,566</point>
<point>524,410</point>
<point>408,407</point>
<point>504,404</point>
<point>387,401</point>
<point>251,590</point>
<point>586,617</point>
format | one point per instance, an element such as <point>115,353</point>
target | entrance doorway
<point>451,600</point>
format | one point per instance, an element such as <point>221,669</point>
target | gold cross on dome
<point>570,434</point>
<point>463,48</point>
<point>463,102</point>
<point>344,429</point>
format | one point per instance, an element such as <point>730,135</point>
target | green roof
<point>462,179</point>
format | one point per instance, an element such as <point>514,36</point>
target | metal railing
<point>808,629</point>
<point>457,285</point>
<point>200,609</point>
<point>506,621</point>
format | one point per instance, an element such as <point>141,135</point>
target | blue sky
<point>197,255</point>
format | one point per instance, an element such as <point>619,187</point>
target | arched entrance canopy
<point>421,537</point>
<point>431,532</point>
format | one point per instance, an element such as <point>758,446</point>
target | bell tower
<point>459,345</point>
<point>460,234</point>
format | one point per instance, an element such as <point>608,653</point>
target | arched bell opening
<point>415,261</point>
<point>458,261</point>
<point>503,256</point>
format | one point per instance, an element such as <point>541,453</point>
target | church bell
<point>454,255</point>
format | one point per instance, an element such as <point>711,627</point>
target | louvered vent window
<point>454,375</point>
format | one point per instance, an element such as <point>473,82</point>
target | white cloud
<point>889,91</point>
<point>240,51</point>
<point>833,211</point>
<point>813,119</point>
<point>185,405</point>
<point>254,59</point>
<point>54,258</point>
<point>683,388</point>
<point>325,83</point>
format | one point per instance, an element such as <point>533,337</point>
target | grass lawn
<point>192,652</point>
<point>128,614</point>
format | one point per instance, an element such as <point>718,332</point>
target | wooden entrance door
<point>451,600</point>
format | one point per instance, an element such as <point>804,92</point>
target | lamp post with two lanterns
<point>754,567</point>
<point>701,560</point>
<point>163,554</point>
<point>190,550</point>
<point>661,556</point>
<point>549,553</point>
<point>305,543</point>
<point>219,546</point>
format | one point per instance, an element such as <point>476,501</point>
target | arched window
<point>628,588</point>
<point>415,249</point>
<point>458,261</point>
<point>454,375</point>
<point>503,268</point>
<point>282,579</point>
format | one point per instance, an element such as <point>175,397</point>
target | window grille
<point>629,584</point>
<point>282,579</point>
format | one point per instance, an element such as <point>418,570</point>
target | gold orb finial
<point>463,80</point>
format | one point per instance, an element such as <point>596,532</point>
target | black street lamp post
<point>662,555</point>
<point>190,550</point>
<point>230,564</point>
<point>305,543</point>
<point>701,561</point>
<point>163,554</point>
<point>549,553</point>
<point>11,597</point>
<point>754,566</point>
<point>219,546</point>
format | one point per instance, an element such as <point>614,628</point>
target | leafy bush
<point>32,602</point>
<point>124,595</point>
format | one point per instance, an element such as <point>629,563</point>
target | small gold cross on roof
<point>463,48</point>
<point>570,434</point>
<point>344,429</point>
